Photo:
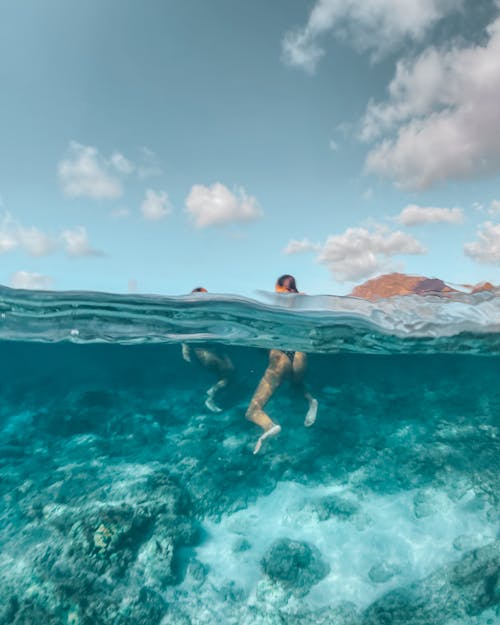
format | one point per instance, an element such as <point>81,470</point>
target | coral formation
<point>125,502</point>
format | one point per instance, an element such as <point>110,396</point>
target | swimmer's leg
<point>312,412</point>
<point>272,431</point>
<point>279,365</point>
<point>222,367</point>
<point>186,352</point>
<point>299,369</point>
<point>210,401</point>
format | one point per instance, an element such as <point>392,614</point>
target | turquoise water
<point>125,501</point>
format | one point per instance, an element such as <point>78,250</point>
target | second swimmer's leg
<point>299,369</point>
<point>210,400</point>
<point>222,367</point>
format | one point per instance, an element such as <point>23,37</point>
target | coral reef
<point>295,564</point>
<point>125,502</point>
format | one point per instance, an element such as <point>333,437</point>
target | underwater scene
<point>133,491</point>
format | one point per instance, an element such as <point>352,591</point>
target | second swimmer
<point>212,359</point>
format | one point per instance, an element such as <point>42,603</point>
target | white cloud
<point>8,241</point>
<point>368,194</point>
<point>333,145</point>
<point>8,236</point>
<point>32,240</point>
<point>149,164</point>
<point>494,207</point>
<point>372,25</point>
<point>121,164</point>
<point>360,253</point>
<point>217,205</point>
<point>85,173</point>
<point>26,280</point>
<point>132,285</point>
<point>441,119</point>
<point>414,215</point>
<point>35,242</point>
<point>486,249</point>
<point>155,205</point>
<point>120,213</point>
<point>298,247</point>
<point>76,243</point>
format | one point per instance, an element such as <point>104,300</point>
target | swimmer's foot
<point>311,413</point>
<point>210,400</point>
<point>274,430</point>
<point>211,405</point>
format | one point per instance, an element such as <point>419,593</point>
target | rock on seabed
<point>295,564</point>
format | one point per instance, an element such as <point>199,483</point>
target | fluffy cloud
<point>217,205</point>
<point>8,234</point>
<point>359,253</point>
<point>35,242</point>
<point>374,25</point>
<point>8,242</point>
<point>149,164</point>
<point>26,280</point>
<point>155,205</point>
<point>32,240</point>
<point>121,164</point>
<point>76,243</point>
<point>486,249</point>
<point>297,247</point>
<point>494,207</point>
<point>120,213</point>
<point>441,119</point>
<point>85,173</point>
<point>414,215</point>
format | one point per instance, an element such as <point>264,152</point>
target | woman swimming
<point>281,364</point>
<point>212,359</point>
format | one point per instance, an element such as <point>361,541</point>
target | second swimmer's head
<point>286,284</point>
<point>199,289</point>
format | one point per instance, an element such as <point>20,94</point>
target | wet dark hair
<point>199,289</point>
<point>288,282</point>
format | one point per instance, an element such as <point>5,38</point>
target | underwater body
<point>126,501</point>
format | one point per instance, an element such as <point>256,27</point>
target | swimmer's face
<point>279,288</point>
<point>287,287</point>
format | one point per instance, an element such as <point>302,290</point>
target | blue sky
<point>162,145</point>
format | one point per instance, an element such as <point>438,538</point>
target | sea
<point>125,500</point>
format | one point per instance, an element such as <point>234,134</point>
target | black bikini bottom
<point>290,355</point>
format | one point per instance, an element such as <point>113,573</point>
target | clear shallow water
<point>125,501</point>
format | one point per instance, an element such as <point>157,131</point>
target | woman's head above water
<point>286,284</point>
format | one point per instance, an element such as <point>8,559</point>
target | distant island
<point>392,284</point>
